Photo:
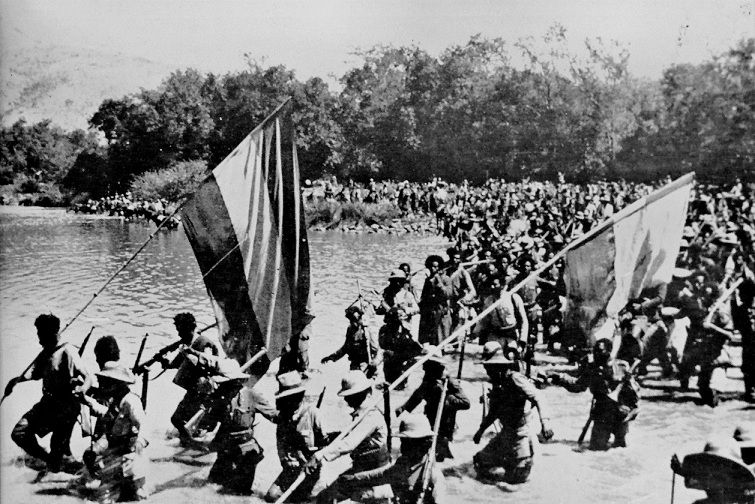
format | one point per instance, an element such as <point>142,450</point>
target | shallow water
<point>51,260</point>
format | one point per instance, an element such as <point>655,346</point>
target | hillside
<point>39,81</point>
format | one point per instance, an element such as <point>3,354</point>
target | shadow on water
<point>186,480</point>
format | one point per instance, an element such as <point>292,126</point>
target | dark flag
<point>247,229</point>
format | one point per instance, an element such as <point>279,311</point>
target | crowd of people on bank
<point>127,206</point>
<point>501,232</point>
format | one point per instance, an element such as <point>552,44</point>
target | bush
<point>171,183</point>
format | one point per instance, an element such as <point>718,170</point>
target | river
<point>53,261</point>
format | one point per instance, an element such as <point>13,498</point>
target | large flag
<point>247,228</point>
<point>634,250</point>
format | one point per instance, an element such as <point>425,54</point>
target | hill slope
<point>67,85</point>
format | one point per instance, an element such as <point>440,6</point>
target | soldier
<point>508,322</point>
<point>367,444</point>
<point>655,339</point>
<point>743,317</point>
<point>295,355</point>
<point>510,398</point>
<point>398,346</point>
<point>407,473</point>
<point>718,470</point>
<point>430,390</point>
<point>398,294</point>
<point>300,434</point>
<point>361,345</point>
<point>192,375</point>
<point>64,378</point>
<point>615,395</point>
<point>434,305</point>
<point>115,459</point>
<point>235,406</point>
<point>463,292</point>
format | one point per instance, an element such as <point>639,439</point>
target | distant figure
<point>361,345</point>
<point>435,303</point>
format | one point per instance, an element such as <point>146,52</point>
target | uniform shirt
<point>246,404</point>
<point>188,374</point>
<point>510,403</point>
<point>429,391</point>
<point>405,478</point>
<point>358,338</point>
<point>403,298</point>
<point>59,371</point>
<point>462,287</point>
<point>121,423</point>
<point>299,436</point>
<point>370,434</point>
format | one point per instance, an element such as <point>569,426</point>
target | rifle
<point>85,419</point>
<point>139,353</point>
<point>587,424</point>
<point>158,356</point>
<point>366,336</point>
<point>387,414</point>
<point>86,340</point>
<point>462,348</point>
<point>145,372</point>
<point>194,421</point>
<point>322,396</point>
<point>427,470</point>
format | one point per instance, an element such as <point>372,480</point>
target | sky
<point>318,38</point>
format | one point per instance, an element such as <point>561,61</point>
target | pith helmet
<point>115,371</point>
<point>414,426</point>
<point>353,383</point>
<point>290,383</point>
<point>397,274</point>
<point>492,353</point>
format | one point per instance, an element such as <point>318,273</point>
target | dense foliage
<point>470,113</point>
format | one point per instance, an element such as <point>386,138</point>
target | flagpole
<point>124,265</point>
<point>187,197</point>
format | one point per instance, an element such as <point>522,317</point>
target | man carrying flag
<point>247,229</point>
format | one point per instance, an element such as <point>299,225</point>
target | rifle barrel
<point>85,342</point>
<point>426,474</point>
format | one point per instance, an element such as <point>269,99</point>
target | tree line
<point>478,110</point>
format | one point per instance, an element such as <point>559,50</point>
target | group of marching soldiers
<point>685,326</point>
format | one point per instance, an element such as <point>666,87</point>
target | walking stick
<point>426,474</point>
<point>587,424</point>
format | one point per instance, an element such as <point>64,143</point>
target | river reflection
<point>54,261</point>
